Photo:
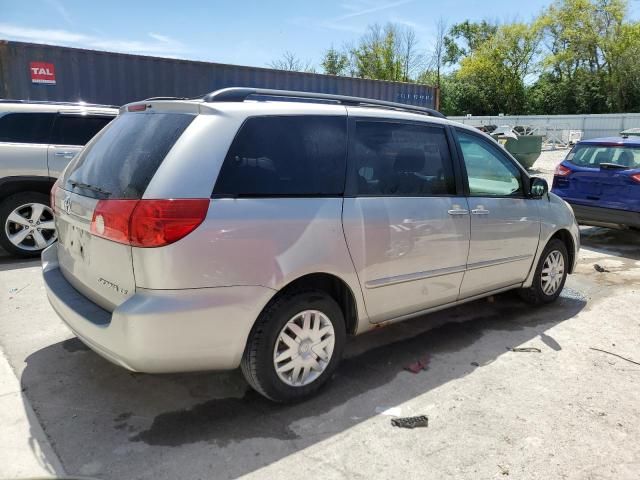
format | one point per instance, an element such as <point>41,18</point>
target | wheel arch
<point>565,237</point>
<point>334,286</point>
<point>12,185</point>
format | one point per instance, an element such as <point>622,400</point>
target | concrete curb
<point>25,450</point>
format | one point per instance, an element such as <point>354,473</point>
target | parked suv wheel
<point>551,273</point>
<point>27,225</point>
<point>295,346</point>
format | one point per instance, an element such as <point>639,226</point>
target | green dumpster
<point>526,149</point>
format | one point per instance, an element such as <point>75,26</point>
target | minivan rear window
<point>121,160</point>
<point>595,155</point>
<point>286,156</point>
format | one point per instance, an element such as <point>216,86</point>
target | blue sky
<point>238,32</point>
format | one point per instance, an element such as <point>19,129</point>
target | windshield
<point>595,155</point>
<point>123,158</point>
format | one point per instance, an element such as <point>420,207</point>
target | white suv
<point>37,140</point>
<point>225,232</point>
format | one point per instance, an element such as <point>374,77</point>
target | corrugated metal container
<point>44,72</point>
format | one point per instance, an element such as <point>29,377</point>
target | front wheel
<point>550,275</point>
<point>295,346</point>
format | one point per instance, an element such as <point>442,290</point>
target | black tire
<point>7,206</point>
<point>535,294</point>
<point>258,363</point>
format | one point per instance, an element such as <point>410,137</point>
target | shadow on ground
<point>9,262</point>
<point>108,422</point>
<point>621,243</point>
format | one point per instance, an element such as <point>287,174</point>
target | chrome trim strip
<point>491,263</point>
<point>410,277</point>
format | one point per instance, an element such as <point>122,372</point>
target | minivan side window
<point>286,156</point>
<point>26,127</point>
<point>402,159</point>
<point>489,172</point>
<point>76,129</point>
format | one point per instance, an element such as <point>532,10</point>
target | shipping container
<point>52,73</point>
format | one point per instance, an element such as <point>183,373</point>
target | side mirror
<point>539,187</point>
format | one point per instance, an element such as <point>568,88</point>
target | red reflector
<point>636,177</point>
<point>111,219</point>
<point>138,107</point>
<point>148,223</point>
<point>562,171</point>
<point>52,195</point>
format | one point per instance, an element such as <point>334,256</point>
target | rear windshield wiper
<point>613,166</point>
<point>87,186</point>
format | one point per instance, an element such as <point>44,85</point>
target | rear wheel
<point>295,346</point>
<point>550,275</point>
<point>27,225</point>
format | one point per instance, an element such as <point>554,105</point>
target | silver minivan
<point>255,228</point>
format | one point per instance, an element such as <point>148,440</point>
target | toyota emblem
<point>66,204</point>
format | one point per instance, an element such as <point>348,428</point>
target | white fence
<point>557,127</point>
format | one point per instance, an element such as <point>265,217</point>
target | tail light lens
<point>562,171</point>
<point>636,177</point>
<point>148,223</point>
<point>160,222</point>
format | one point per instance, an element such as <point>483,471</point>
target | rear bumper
<point>604,216</point>
<point>160,331</point>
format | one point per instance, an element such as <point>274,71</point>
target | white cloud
<point>38,35</point>
<point>62,11</point>
<point>352,21</point>
<point>365,8</point>
<point>158,45</point>
<point>160,38</point>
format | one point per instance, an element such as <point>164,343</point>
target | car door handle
<point>480,210</point>
<point>65,154</point>
<point>456,210</point>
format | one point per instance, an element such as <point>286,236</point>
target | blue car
<point>600,179</point>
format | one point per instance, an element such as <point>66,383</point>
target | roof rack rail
<point>165,98</point>
<point>47,102</point>
<point>240,94</point>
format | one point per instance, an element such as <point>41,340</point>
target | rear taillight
<point>562,171</point>
<point>148,223</point>
<point>636,177</point>
<point>160,222</point>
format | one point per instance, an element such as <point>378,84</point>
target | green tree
<point>335,62</point>
<point>501,66</point>
<point>465,38</point>
<point>589,44</point>
<point>388,53</point>
<point>376,57</point>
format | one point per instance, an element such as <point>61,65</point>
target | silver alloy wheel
<point>304,348</point>
<point>552,272</point>
<point>31,227</point>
